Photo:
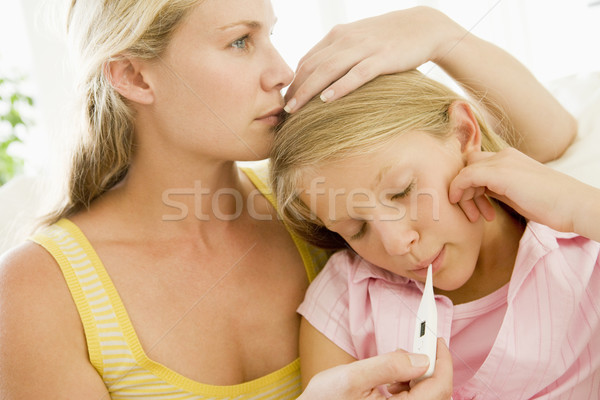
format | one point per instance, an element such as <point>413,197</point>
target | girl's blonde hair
<point>359,123</point>
<point>101,31</point>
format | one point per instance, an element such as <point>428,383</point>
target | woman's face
<point>218,86</point>
<point>392,208</point>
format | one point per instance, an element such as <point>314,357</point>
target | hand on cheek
<point>474,203</point>
<point>470,195</point>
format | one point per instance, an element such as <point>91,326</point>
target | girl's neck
<point>496,260</point>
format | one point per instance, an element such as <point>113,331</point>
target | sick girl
<point>397,175</point>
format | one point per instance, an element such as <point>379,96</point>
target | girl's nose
<point>397,238</point>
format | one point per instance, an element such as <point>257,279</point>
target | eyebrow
<point>381,174</point>
<point>248,23</point>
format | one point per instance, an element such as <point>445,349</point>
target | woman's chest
<point>220,318</point>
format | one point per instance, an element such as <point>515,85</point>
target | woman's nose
<point>278,74</point>
<point>397,238</point>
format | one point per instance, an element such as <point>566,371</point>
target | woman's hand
<point>534,190</point>
<point>353,54</point>
<point>359,380</point>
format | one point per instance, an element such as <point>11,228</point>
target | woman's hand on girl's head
<point>359,380</point>
<point>355,53</point>
<point>534,190</point>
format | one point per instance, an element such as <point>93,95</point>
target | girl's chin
<point>447,286</point>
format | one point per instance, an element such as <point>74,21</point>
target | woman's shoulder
<point>35,300</point>
<point>43,350</point>
<point>26,266</point>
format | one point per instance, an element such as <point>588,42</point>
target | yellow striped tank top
<point>113,346</point>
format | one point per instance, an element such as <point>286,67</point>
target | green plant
<point>13,105</point>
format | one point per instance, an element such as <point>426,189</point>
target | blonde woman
<point>396,174</point>
<point>166,273</point>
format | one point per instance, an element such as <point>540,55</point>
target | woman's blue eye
<point>240,43</point>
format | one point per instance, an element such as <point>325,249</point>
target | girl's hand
<point>359,380</point>
<point>353,54</point>
<point>534,190</point>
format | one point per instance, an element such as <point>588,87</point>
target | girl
<point>165,272</point>
<point>396,174</point>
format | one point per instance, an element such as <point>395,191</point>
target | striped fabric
<point>113,346</point>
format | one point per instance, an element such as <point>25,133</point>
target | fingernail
<point>327,95</point>
<point>290,106</point>
<point>418,360</point>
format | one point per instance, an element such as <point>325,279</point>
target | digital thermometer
<point>425,341</point>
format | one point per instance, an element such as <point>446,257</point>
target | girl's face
<point>218,86</point>
<point>392,208</point>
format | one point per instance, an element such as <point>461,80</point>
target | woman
<point>172,93</point>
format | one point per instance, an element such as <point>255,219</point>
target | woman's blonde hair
<point>101,31</point>
<point>359,123</point>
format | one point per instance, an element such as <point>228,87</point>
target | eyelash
<point>397,196</point>
<point>360,233</point>
<point>404,193</point>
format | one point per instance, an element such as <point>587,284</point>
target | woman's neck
<point>496,260</point>
<point>175,196</point>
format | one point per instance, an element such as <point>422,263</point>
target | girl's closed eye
<point>363,228</point>
<point>404,193</point>
<point>360,233</point>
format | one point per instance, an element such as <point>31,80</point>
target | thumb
<point>397,366</point>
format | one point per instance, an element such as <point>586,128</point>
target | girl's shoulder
<point>541,236</point>
<point>543,248</point>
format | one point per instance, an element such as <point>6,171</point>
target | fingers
<point>439,386</point>
<point>474,203</point>
<point>398,387</point>
<point>443,362</point>
<point>471,186</point>
<point>321,53</point>
<point>397,366</point>
<point>474,175</point>
<point>357,76</point>
<point>359,380</point>
<point>322,44</point>
<point>485,207</point>
<point>347,69</point>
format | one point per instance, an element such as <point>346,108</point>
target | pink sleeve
<point>326,304</point>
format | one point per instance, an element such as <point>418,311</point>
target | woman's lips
<point>271,118</point>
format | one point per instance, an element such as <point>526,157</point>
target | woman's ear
<point>126,76</point>
<point>465,126</point>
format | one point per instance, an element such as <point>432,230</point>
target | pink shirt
<point>536,338</point>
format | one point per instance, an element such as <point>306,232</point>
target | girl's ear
<point>127,77</point>
<point>465,126</point>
